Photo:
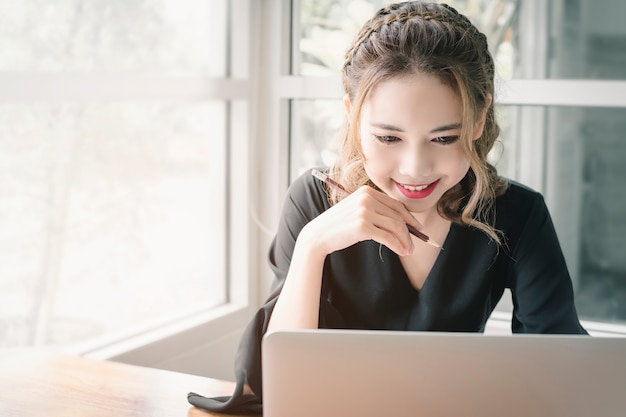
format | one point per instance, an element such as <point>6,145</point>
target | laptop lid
<point>340,373</point>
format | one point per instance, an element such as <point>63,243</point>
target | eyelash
<point>387,140</point>
<point>443,140</point>
<point>446,140</point>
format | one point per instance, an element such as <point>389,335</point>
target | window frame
<point>183,345</point>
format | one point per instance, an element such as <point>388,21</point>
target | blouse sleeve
<point>543,297</point>
<point>305,199</point>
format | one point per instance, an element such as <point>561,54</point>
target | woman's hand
<point>366,214</point>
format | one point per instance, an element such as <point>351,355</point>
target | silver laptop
<point>348,373</point>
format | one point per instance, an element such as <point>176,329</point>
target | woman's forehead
<point>413,97</point>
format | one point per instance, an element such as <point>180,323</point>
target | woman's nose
<point>416,162</point>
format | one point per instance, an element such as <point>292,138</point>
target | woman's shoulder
<point>518,204</point>
<point>519,193</point>
<point>308,193</point>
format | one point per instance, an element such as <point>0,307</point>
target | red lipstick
<point>418,193</point>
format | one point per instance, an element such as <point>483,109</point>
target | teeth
<point>416,187</point>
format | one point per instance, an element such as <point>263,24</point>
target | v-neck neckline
<point>441,257</point>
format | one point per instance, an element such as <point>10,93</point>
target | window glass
<point>327,28</point>
<point>583,183</point>
<point>556,39</point>
<point>585,177</point>
<point>110,218</point>
<point>316,126</point>
<point>155,36</point>
<point>587,39</point>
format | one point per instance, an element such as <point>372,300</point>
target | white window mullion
<point>579,93</point>
<point>527,92</point>
<point>97,88</point>
<point>271,138</point>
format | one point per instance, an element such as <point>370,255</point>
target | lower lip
<point>418,194</point>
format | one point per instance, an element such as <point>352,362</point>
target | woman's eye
<point>386,139</point>
<point>446,140</point>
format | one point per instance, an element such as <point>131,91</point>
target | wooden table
<point>36,383</point>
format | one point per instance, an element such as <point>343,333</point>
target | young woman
<point>419,84</point>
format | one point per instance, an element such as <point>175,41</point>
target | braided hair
<point>429,38</point>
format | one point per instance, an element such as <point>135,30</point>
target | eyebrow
<point>451,126</point>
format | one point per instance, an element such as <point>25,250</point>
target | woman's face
<point>410,136</point>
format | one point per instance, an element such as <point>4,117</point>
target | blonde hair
<point>416,37</point>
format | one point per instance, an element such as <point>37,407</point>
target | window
<point>560,69</point>
<point>116,127</point>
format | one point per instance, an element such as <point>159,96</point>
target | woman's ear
<point>347,104</point>
<point>480,123</point>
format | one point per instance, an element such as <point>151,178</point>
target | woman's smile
<point>416,191</point>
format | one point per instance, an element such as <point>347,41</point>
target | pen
<point>327,180</point>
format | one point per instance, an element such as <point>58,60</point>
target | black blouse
<point>365,286</point>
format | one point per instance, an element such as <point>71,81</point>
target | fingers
<point>392,207</point>
<point>391,233</point>
<point>386,219</point>
<point>366,214</point>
